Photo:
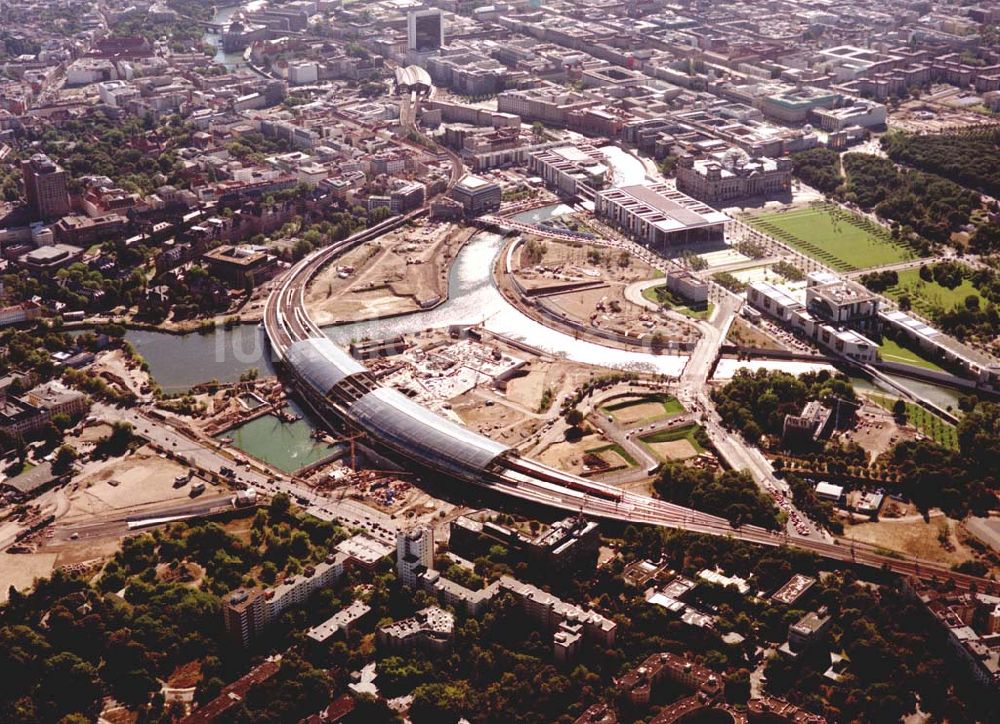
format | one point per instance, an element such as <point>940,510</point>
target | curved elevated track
<point>341,392</point>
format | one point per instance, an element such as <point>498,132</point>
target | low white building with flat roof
<point>829,491</point>
<point>660,216</point>
<point>340,623</point>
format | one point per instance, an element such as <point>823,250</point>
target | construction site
<point>401,272</point>
<point>589,289</point>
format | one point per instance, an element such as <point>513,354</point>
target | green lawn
<point>926,422</point>
<point>670,404</point>
<point>926,296</point>
<point>891,351</point>
<point>686,432</point>
<point>834,236</point>
<point>662,295</point>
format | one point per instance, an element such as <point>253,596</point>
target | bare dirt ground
<point>568,456</point>
<point>527,390</point>
<point>498,421</point>
<point>933,114</point>
<point>673,450</point>
<point>743,333</point>
<point>571,259</point>
<point>604,306</point>
<point>399,273</point>
<point>115,367</point>
<point>936,540</point>
<point>144,478</point>
<point>20,570</point>
<point>557,375</point>
<point>876,431</point>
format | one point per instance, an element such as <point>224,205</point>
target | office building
<point>689,287</point>
<point>565,544</point>
<point>424,30</point>
<point>46,187</point>
<point>20,313</point>
<point>840,301</point>
<point>806,632</point>
<point>811,424</point>
<point>477,195</point>
<point>733,177</point>
<point>659,216</point>
<point>236,264</point>
<point>28,414</point>
<point>571,170</point>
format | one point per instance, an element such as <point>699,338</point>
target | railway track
<point>286,323</point>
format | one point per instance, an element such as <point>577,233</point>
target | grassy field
<point>926,296</point>
<point>929,424</point>
<point>891,351</point>
<point>685,432</point>
<point>677,443</point>
<point>834,236</point>
<point>661,295</point>
<point>643,409</point>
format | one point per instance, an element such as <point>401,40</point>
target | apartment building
<point>414,554</point>
<point>430,629</point>
<point>45,186</point>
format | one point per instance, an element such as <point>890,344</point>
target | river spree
<point>474,299</point>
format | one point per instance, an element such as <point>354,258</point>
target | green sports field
<point>835,237</point>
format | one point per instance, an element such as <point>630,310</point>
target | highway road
<point>204,457</point>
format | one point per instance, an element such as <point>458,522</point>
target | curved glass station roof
<point>412,75</point>
<point>321,363</point>
<point>419,433</point>
<point>392,418</point>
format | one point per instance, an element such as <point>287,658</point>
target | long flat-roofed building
<point>660,216</point>
<point>580,169</point>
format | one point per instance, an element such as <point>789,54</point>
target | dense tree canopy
<point>957,481</point>
<point>731,494</point>
<point>818,167</point>
<point>756,402</point>
<point>971,158</point>
<point>932,206</point>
